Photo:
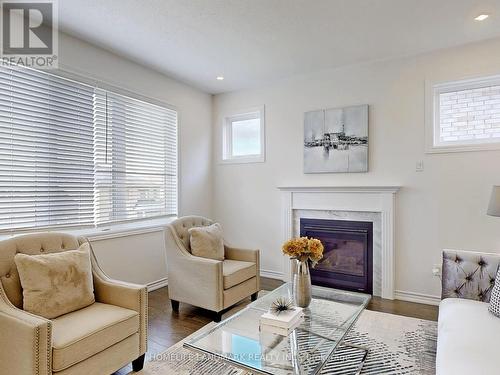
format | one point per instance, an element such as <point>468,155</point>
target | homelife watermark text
<point>29,34</point>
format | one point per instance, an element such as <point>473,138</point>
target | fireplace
<point>348,256</point>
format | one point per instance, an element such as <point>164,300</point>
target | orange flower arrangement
<point>304,248</point>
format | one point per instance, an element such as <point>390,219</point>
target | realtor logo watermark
<point>29,34</point>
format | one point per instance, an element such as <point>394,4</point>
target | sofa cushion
<point>236,271</point>
<point>467,338</point>
<point>207,242</point>
<point>81,334</point>
<point>56,284</point>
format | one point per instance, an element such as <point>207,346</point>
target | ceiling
<point>255,42</point>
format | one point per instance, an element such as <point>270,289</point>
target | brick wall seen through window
<point>469,116</point>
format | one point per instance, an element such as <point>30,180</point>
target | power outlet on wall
<point>436,270</point>
<point>419,166</point>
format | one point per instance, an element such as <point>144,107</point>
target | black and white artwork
<point>336,140</point>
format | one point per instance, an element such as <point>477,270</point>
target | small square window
<point>243,137</point>
<point>463,115</point>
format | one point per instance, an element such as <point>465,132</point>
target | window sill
<point>111,231</point>
<point>123,230</point>
<point>244,160</point>
<point>441,149</point>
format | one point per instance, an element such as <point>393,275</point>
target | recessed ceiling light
<point>482,17</point>
<point>219,78</point>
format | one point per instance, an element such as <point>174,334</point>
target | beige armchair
<point>96,340</point>
<point>207,283</point>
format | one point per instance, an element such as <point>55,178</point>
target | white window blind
<point>74,155</point>
<point>46,150</point>
<point>136,159</point>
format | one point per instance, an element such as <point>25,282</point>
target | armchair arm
<point>197,281</point>
<point>127,295</point>
<point>245,255</point>
<point>25,341</point>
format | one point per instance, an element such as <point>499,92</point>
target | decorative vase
<point>302,284</point>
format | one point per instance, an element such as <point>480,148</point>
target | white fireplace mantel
<point>379,199</point>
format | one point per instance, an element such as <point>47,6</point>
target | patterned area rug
<point>397,345</point>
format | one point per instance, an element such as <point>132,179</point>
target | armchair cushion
<point>56,284</point>
<point>82,334</point>
<point>235,272</point>
<point>207,242</point>
<point>30,244</point>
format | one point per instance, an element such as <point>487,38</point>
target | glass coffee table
<point>329,317</point>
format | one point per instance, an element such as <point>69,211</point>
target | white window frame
<point>433,120</point>
<point>227,156</point>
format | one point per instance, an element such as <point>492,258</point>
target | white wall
<point>136,258</point>
<point>442,207</point>
<point>140,258</point>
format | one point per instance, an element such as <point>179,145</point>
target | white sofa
<point>468,334</point>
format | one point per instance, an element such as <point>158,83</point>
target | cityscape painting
<point>336,140</point>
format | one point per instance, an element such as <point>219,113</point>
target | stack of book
<point>283,323</point>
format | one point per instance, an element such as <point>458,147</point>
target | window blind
<point>46,150</point>
<point>136,159</point>
<point>75,155</point>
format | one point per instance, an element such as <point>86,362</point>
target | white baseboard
<point>157,284</point>
<point>271,274</point>
<point>417,297</point>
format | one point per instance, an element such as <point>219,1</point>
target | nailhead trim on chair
<point>141,348</point>
<point>146,314</point>
<point>49,348</point>
<point>140,322</point>
<point>143,322</point>
<point>37,350</point>
<point>37,334</point>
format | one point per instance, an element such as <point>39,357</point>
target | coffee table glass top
<point>239,341</point>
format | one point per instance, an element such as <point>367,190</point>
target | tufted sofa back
<point>183,224</point>
<point>468,274</point>
<point>31,244</point>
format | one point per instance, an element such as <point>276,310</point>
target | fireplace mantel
<point>378,199</point>
<point>341,189</point>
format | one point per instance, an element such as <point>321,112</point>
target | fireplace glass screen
<point>347,262</point>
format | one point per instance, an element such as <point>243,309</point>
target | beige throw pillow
<point>56,284</point>
<point>207,242</point>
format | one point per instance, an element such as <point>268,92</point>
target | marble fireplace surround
<point>357,203</point>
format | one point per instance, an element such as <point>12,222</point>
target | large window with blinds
<point>72,154</point>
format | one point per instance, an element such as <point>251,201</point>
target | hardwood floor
<point>167,327</point>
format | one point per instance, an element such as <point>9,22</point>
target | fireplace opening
<point>348,256</point>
